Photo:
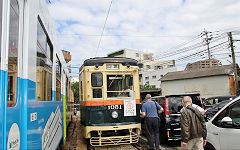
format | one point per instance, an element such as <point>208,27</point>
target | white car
<point>223,129</point>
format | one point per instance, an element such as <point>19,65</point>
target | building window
<point>169,66</point>
<point>146,78</point>
<point>148,66</point>
<point>137,54</point>
<point>13,53</point>
<point>158,67</point>
<point>154,77</point>
<point>44,65</point>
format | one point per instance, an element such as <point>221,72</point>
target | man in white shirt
<point>197,107</point>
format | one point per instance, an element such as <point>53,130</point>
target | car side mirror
<point>219,108</point>
<point>227,122</point>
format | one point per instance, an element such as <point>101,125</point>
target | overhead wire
<point>103,28</point>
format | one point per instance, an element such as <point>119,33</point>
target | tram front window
<point>119,86</point>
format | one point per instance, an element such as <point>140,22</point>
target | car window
<point>234,114</point>
<point>160,100</point>
<point>233,111</point>
<point>209,102</point>
<point>220,105</point>
<point>196,100</point>
<point>175,104</point>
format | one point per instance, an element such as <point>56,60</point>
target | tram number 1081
<point>111,107</point>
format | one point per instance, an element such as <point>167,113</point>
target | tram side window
<point>97,82</point>
<point>44,65</point>
<point>13,53</point>
<point>0,29</point>
<point>58,80</point>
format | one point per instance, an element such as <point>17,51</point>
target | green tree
<point>75,88</point>
<point>147,86</point>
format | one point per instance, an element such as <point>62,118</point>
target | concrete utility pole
<point>207,39</point>
<point>234,63</point>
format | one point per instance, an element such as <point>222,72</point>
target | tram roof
<point>101,60</point>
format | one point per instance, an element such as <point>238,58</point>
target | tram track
<point>135,146</point>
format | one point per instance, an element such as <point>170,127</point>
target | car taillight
<point>166,107</point>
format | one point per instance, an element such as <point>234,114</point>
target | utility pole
<point>234,63</point>
<point>207,40</point>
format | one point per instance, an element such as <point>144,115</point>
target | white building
<point>152,65</point>
<point>153,77</point>
<point>151,71</point>
<point>74,79</point>
<point>209,82</point>
<point>135,54</point>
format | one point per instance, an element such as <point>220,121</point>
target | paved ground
<point>75,140</point>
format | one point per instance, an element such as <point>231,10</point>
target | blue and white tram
<point>33,84</point>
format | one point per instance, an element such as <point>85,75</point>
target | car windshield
<point>174,105</point>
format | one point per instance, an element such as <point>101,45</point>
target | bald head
<point>148,97</point>
<point>187,100</point>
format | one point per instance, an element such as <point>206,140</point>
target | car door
<point>228,136</point>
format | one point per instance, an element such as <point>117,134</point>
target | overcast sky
<point>153,26</point>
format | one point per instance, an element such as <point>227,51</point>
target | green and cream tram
<point>109,97</point>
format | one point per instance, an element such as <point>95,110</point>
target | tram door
<point>11,82</point>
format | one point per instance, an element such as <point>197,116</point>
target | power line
<point>122,35</point>
<point>187,49</point>
<point>103,27</point>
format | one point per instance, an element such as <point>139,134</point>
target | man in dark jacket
<point>193,128</point>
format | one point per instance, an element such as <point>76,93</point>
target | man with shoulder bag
<point>150,110</point>
<point>193,127</point>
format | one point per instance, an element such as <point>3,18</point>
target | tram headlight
<point>114,114</point>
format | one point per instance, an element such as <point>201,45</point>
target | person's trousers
<point>153,128</point>
<point>194,144</point>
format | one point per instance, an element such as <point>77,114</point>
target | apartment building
<point>203,64</point>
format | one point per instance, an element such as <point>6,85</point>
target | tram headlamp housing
<point>114,114</point>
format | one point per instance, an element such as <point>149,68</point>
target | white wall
<point>206,86</point>
<point>158,73</point>
<point>133,54</point>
